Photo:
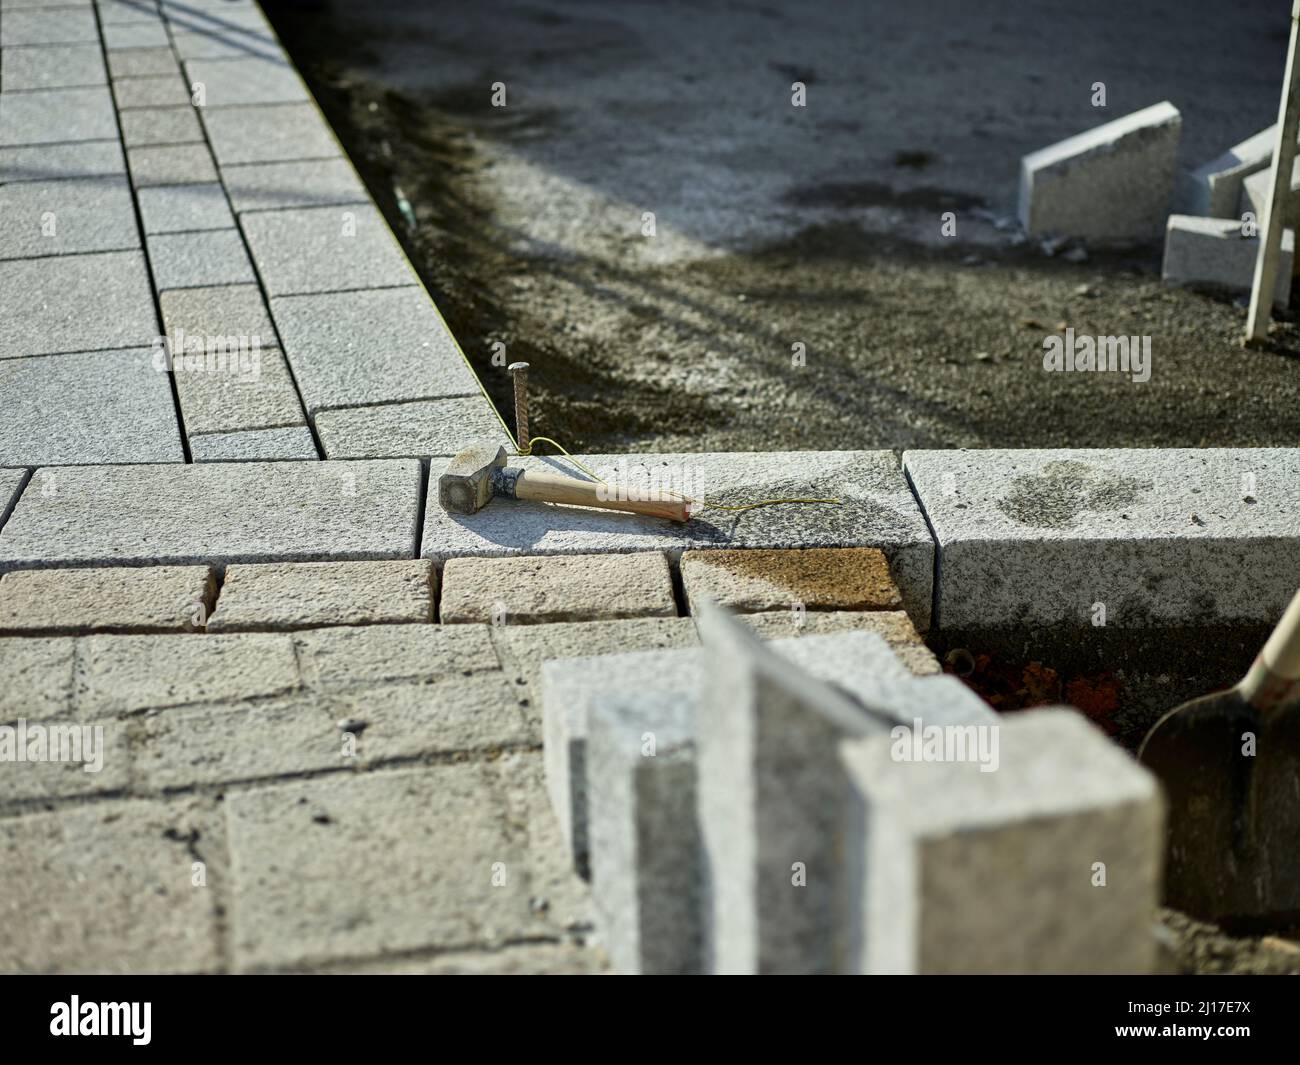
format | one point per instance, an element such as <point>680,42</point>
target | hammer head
<point>467,484</point>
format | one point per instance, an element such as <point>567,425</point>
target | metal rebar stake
<point>519,371</point>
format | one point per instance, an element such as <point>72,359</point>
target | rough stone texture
<point>252,80</point>
<point>317,183</point>
<point>195,260</point>
<point>57,116</point>
<point>970,872</point>
<point>644,837</point>
<point>1112,183</point>
<point>64,66</point>
<point>125,674</point>
<point>112,12</point>
<point>286,132</point>
<point>160,125</point>
<point>351,348</point>
<point>108,888</point>
<point>1161,537</point>
<point>75,303</point>
<point>90,214</point>
<point>835,578</point>
<point>530,591</point>
<point>47,162</point>
<point>438,428</point>
<point>227,310</point>
<point>11,484</point>
<point>301,595</point>
<point>177,164</point>
<point>1212,251</point>
<point>101,765</point>
<point>52,418</point>
<point>48,27</point>
<point>116,599</point>
<point>181,208</point>
<point>227,512</point>
<point>877,510</point>
<point>169,91</point>
<point>143,63</point>
<point>894,626</point>
<point>232,402</point>
<point>135,35</point>
<point>326,249</point>
<point>285,444</point>
<point>38,677</point>
<point>340,658</point>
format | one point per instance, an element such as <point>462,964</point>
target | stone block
<point>226,310</point>
<point>275,133</point>
<point>62,66</point>
<point>63,760</point>
<point>236,402</point>
<point>355,348</point>
<point>58,116</point>
<point>53,419</point>
<point>251,80</point>
<point>1212,251</point>
<point>143,63</point>
<point>112,12</point>
<point>124,599</point>
<point>536,590</point>
<point>38,677</point>
<point>24,26</point>
<point>275,186</point>
<point>48,162</point>
<point>1113,183</point>
<point>326,249</point>
<point>877,509</point>
<point>155,91</point>
<point>232,44</point>
<point>309,595</point>
<point>171,164</point>
<point>66,217</point>
<point>160,125</point>
<point>1162,537</point>
<point>288,443</point>
<point>1050,865</point>
<point>893,626</point>
<point>198,260</point>
<point>1214,189</point>
<point>336,659</point>
<point>123,36</point>
<point>11,486</point>
<point>1255,192</point>
<point>184,208</point>
<point>217,512</point>
<point>826,578</point>
<point>438,428</point>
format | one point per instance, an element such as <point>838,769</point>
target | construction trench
<point>404,703</point>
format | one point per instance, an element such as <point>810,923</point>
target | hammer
<point>480,472</point>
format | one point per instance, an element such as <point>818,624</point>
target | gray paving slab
<point>53,162</point>
<point>228,44</point>
<point>1160,536</point>
<point>270,186</point>
<point>877,509</point>
<point>23,26</point>
<point>184,208</point>
<point>1212,190</point>
<point>122,36</point>
<point>436,427</point>
<point>112,599</point>
<point>280,444</point>
<point>54,116</point>
<point>199,260</point>
<point>107,888</point>
<point>38,677</point>
<point>275,133</point>
<point>15,5</point>
<point>264,398</point>
<point>353,348</point>
<point>53,419</point>
<point>325,249</point>
<point>11,484</point>
<point>65,217</point>
<point>177,164</point>
<point>72,303</point>
<point>143,63</point>
<point>169,91</point>
<point>226,310</point>
<point>61,66</point>
<point>1213,251</point>
<point>112,12</point>
<point>217,512</point>
<point>160,125</point>
<point>239,82</point>
<point>361,656</point>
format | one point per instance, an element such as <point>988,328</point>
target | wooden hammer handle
<point>1275,675</point>
<point>552,488</point>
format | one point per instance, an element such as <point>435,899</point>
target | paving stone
<point>123,36</point>
<point>184,208</point>
<point>11,486</point>
<point>269,134</point>
<point>172,164</point>
<point>108,889</point>
<point>353,348</point>
<point>233,402</point>
<point>877,510</point>
<point>199,260</point>
<point>969,872</point>
<point>48,27</point>
<point>531,591</point>
<point>143,63</point>
<point>53,419</point>
<point>828,578</point>
<point>1159,537</point>
<point>74,302</point>
<point>356,656</point>
<point>114,599</point>
<point>217,512</point>
<point>1213,190</point>
<point>325,249</point>
<point>1212,251</point>
<point>421,847</point>
<point>227,310</point>
<point>64,760</point>
<point>63,217</point>
<point>160,125</point>
<point>38,677</point>
<point>14,5</point>
<point>112,12</point>
<point>228,44</point>
<point>893,626</point>
<point>301,595</point>
<point>57,115</point>
<point>269,186</point>
<point>423,428</point>
<point>168,91</point>
<point>54,67</point>
<point>51,162</point>
<point>285,444</point>
<point>1113,183</point>
<point>239,82</point>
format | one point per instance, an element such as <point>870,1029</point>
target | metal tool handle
<point>552,488</point>
<point>1275,674</point>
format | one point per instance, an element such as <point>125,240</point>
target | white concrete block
<point>1212,251</point>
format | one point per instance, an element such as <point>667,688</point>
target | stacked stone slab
<point>1214,189</point>
<point>1216,252</point>
<point>1113,183</point>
